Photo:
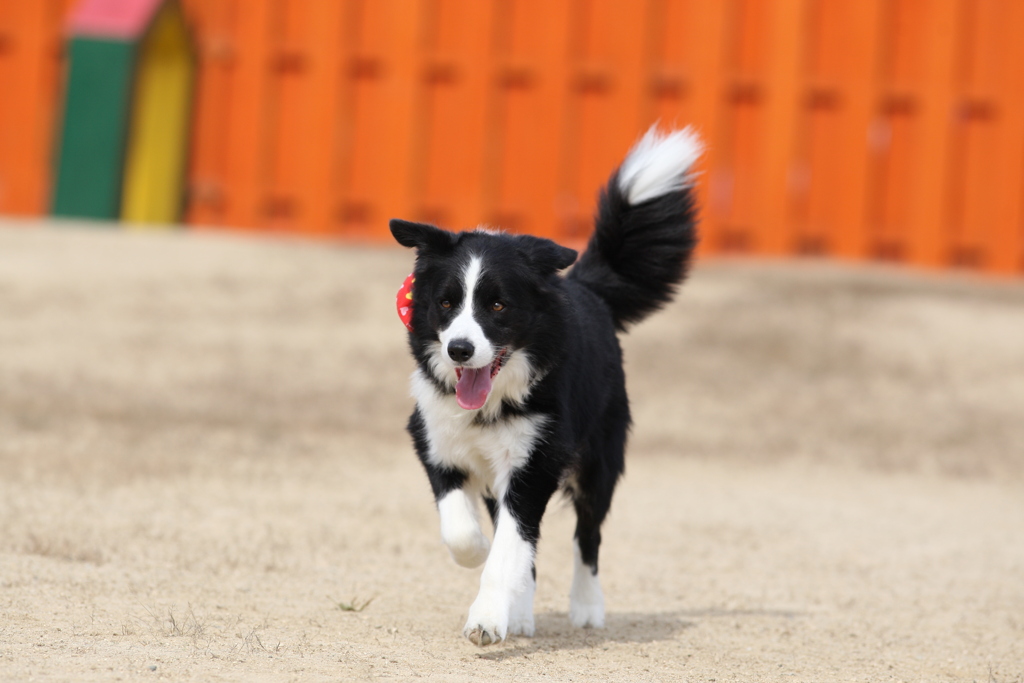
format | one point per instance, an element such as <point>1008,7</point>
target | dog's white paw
<point>521,625</point>
<point>460,529</point>
<point>586,614</point>
<point>469,549</point>
<point>488,622</point>
<point>520,617</point>
<point>586,600</point>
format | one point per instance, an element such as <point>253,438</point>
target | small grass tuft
<point>353,605</point>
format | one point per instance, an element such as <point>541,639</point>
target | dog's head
<point>483,302</point>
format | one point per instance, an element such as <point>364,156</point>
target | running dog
<point>519,385</point>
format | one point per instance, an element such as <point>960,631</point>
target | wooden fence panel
<point>214,22</point>
<point>385,67</point>
<point>605,101</point>
<point>454,115</point>
<point>1004,241</point>
<point>988,144</point>
<point>246,134</point>
<point>829,179</point>
<point>31,47</point>
<point>292,98</point>
<point>773,226</point>
<point>895,137</point>
<point>526,186</point>
<point>928,223</point>
<point>685,77</point>
<point>315,103</point>
<point>741,191</point>
<point>731,181</point>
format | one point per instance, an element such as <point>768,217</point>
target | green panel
<point>95,129</point>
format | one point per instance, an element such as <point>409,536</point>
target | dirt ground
<point>204,474</point>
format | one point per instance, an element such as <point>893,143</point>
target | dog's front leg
<point>460,528</point>
<point>508,577</point>
<point>460,524</point>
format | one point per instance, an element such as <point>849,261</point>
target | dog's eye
<point>446,304</point>
<point>497,306</point>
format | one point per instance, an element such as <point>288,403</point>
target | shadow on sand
<point>555,633</point>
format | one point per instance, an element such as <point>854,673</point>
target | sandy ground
<point>202,466</point>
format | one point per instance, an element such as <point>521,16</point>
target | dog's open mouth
<point>473,385</point>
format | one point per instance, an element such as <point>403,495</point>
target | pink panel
<point>122,19</point>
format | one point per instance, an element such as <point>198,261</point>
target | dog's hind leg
<point>592,496</point>
<point>586,600</point>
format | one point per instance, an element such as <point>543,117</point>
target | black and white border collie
<point>519,384</point>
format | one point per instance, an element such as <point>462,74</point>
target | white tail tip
<point>659,164</point>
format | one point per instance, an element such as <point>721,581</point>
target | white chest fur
<point>490,453</point>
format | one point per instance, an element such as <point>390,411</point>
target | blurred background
<point>867,129</point>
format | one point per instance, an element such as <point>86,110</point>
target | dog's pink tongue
<point>473,387</point>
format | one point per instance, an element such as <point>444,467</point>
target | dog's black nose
<point>460,350</point>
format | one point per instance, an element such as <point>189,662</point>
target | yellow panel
<point>157,146</point>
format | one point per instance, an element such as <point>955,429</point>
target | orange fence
<point>30,57</point>
<point>889,129</point>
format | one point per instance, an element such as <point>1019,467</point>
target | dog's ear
<point>546,255</point>
<point>421,236</point>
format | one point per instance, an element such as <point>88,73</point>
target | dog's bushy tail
<point>645,229</point>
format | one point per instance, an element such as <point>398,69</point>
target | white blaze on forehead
<point>465,326</point>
